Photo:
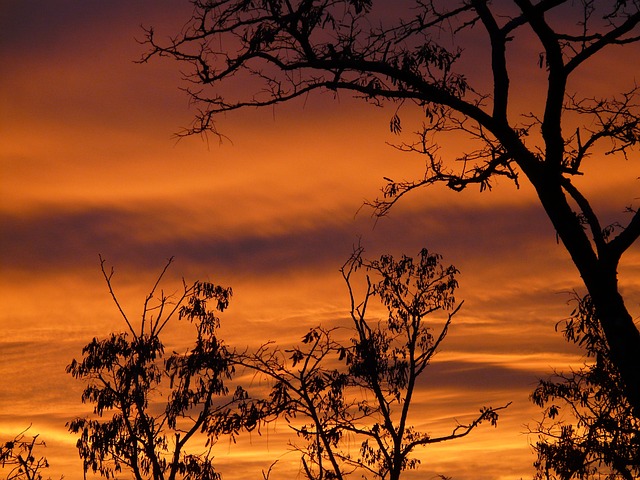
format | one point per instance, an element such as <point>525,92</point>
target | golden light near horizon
<point>89,166</point>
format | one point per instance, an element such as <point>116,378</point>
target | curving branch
<point>290,48</point>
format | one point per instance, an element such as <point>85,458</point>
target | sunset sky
<point>89,166</point>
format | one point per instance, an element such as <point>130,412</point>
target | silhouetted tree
<point>294,47</point>
<point>588,430</point>
<point>18,458</point>
<point>349,393</point>
<point>149,405</point>
<point>340,386</point>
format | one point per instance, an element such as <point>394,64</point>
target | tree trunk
<point>599,274</point>
<point>621,333</point>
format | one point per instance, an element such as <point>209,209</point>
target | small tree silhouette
<point>588,428</point>
<point>339,386</point>
<point>149,405</point>
<point>336,392</point>
<point>19,459</point>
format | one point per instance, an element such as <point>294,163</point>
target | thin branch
<point>107,278</point>
<point>151,294</point>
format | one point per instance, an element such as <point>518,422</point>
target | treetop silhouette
<point>150,407</point>
<point>347,392</point>
<point>588,429</point>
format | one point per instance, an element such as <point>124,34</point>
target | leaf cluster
<point>588,428</point>
<point>19,459</point>
<point>348,393</point>
<point>147,404</point>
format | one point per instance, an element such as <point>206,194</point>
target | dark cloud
<point>70,65</point>
<point>56,238</point>
<point>30,28</point>
<point>478,377</point>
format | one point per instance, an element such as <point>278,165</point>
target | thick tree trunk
<point>621,332</point>
<point>599,274</point>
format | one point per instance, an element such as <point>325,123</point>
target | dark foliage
<point>589,430</point>
<point>19,459</point>
<point>147,404</point>
<point>349,393</point>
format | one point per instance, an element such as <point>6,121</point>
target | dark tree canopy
<point>412,53</point>
<point>149,407</point>
<point>346,391</point>
<point>20,458</point>
<point>588,430</point>
<point>349,392</point>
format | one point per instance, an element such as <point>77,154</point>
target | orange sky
<point>88,166</point>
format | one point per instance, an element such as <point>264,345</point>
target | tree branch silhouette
<point>291,48</point>
<point>348,392</point>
